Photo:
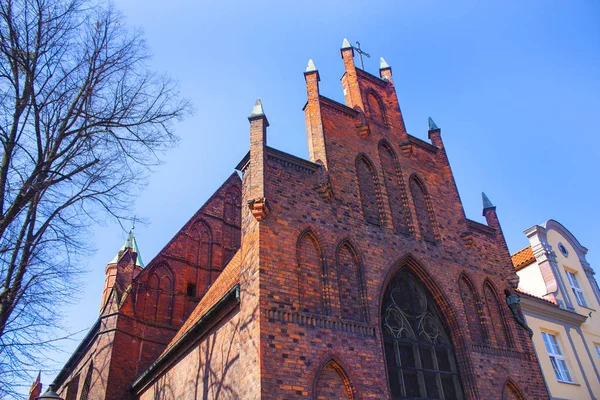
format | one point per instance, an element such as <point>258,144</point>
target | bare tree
<point>82,118</point>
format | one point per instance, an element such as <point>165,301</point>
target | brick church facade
<point>353,275</point>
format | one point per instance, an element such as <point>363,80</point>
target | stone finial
<point>346,44</point>
<point>257,111</point>
<point>383,64</point>
<point>311,66</point>
<point>486,202</point>
<point>432,125</point>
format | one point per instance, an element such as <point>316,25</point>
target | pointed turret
<point>486,203</point>
<point>432,125</point>
<point>36,387</point>
<point>349,79</point>
<point>121,270</point>
<point>385,71</point>
<point>312,115</point>
<point>130,243</point>
<point>489,212</point>
<point>434,133</point>
<point>258,143</point>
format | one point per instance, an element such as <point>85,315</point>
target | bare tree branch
<point>82,118</point>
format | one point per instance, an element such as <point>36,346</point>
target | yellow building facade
<point>560,300</point>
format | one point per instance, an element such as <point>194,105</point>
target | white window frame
<point>576,287</point>
<point>557,359</point>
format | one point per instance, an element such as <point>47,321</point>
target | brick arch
<point>511,391</point>
<point>497,318</point>
<point>368,189</point>
<point>458,336</point>
<point>158,301</point>
<point>311,273</point>
<point>473,308</point>
<point>200,256</point>
<point>376,108</point>
<point>232,215</point>
<point>332,382</point>
<point>395,188</point>
<point>351,282</point>
<point>423,209</point>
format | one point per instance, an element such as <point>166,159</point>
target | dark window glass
<point>191,290</point>
<point>418,350</point>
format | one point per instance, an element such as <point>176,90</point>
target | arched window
<point>201,257</point>
<point>350,283</point>
<point>394,187</point>
<point>201,245</point>
<point>376,108</point>
<point>367,185</point>
<point>232,215</point>
<point>496,316</point>
<point>85,391</point>
<point>471,305</point>
<point>424,214</point>
<point>152,297</point>
<point>333,383</point>
<point>310,270</point>
<point>159,299</point>
<point>512,392</point>
<point>419,354</point>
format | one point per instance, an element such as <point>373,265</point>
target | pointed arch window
<point>310,271</point>
<point>367,185</point>
<point>85,391</point>
<point>423,209</point>
<point>419,354</point>
<point>159,303</point>
<point>232,213</point>
<point>395,188</point>
<point>497,319</point>
<point>376,108</point>
<point>201,245</point>
<point>350,280</point>
<point>333,383</point>
<point>472,309</point>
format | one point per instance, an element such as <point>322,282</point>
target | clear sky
<point>514,86</point>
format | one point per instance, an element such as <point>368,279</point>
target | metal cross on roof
<point>361,53</point>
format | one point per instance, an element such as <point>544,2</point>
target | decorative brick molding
<point>322,322</point>
<point>504,352</point>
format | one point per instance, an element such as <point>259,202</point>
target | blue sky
<point>514,86</point>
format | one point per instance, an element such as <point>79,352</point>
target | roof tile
<point>523,258</point>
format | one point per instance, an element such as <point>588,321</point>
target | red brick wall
<point>210,370</point>
<point>295,341</point>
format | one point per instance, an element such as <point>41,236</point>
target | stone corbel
<point>259,208</point>
<point>467,237</point>
<point>323,186</point>
<point>406,148</point>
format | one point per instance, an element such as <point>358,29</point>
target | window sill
<point>586,307</point>
<point>568,383</point>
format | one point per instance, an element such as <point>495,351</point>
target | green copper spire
<point>130,243</point>
<point>486,202</point>
<point>432,125</point>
